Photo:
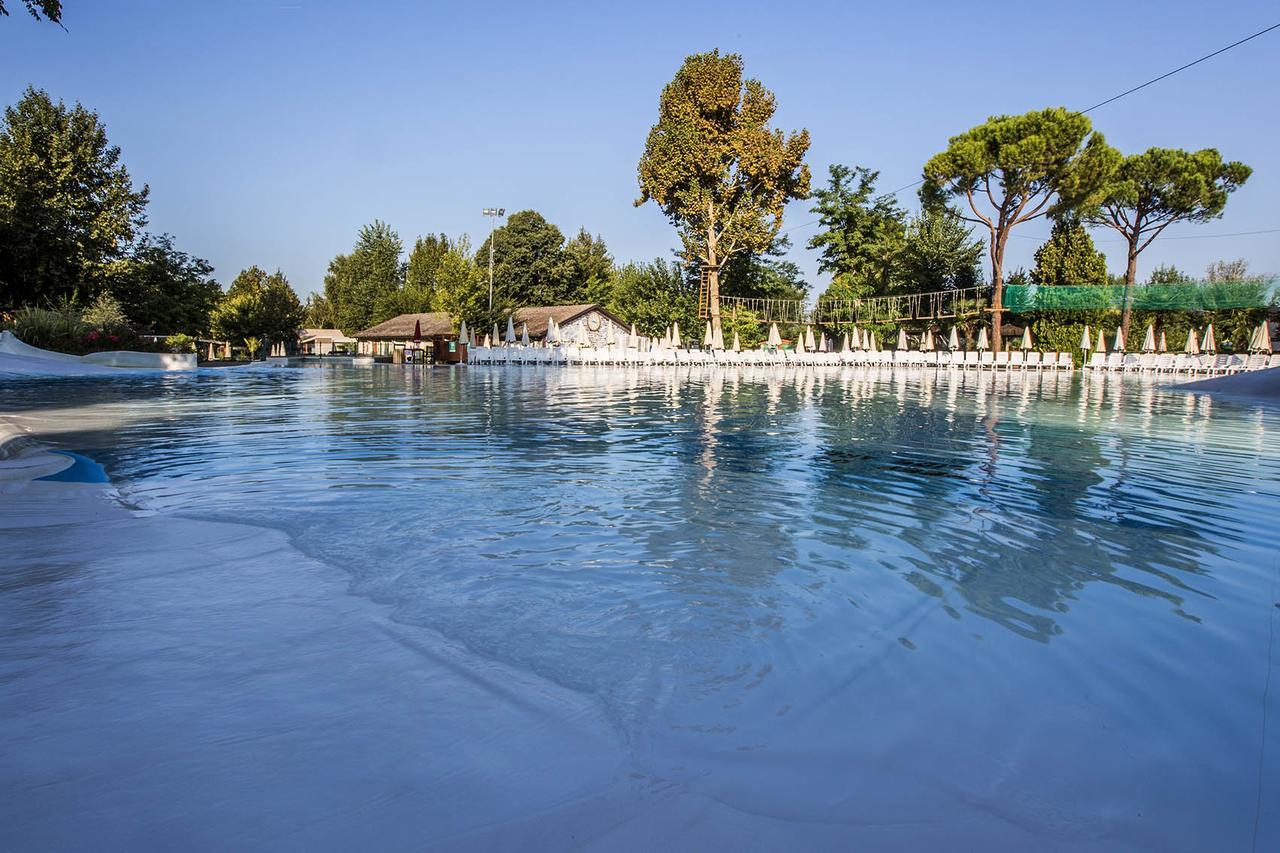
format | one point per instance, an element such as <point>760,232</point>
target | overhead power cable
<point>1112,99</point>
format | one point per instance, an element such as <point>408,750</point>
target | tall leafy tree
<point>530,264</point>
<point>1168,274</point>
<point>1068,256</point>
<point>590,264</point>
<point>1151,191</point>
<point>939,253</point>
<point>49,10</point>
<point>1013,169</point>
<point>1224,272</point>
<point>163,290</point>
<point>361,286</point>
<point>762,275</point>
<point>716,168</point>
<point>424,261</point>
<point>653,295</point>
<point>462,288</point>
<point>862,233</point>
<point>258,305</point>
<point>317,313</point>
<point>68,208</point>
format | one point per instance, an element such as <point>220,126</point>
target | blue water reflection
<point>810,588</point>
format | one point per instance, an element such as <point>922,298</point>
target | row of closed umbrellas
<point>1260,341</point>
<point>860,339</point>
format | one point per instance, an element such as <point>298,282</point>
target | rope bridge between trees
<point>904,308</point>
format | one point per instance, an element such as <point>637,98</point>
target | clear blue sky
<point>270,131</point>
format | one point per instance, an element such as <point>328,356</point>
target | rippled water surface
<point>830,596</point>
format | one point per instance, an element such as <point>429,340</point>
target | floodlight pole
<point>493,213</point>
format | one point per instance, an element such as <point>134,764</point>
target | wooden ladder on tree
<point>704,292</point>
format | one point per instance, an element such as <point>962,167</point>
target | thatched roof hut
<point>436,323</point>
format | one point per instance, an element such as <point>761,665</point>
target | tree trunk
<point>997,292</point>
<point>713,295</point>
<point>1130,275</point>
<point>713,281</point>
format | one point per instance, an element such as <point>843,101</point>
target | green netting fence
<point>1191,296</point>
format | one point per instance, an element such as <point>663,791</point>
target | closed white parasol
<point>1261,340</point>
<point>1149,339</point>
<point>1026,338</point>
<point>983,343</point>
<point>1086,343</point>
<point>953,342</point>
<point>1192,346</point>
<point>1210,345</point>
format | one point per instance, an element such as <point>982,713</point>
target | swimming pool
<point>828,607</point>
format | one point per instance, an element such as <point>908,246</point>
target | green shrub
<point>63,329</point>
<point>105,314</point>
<point>50,328</point>
<point>180,343</point>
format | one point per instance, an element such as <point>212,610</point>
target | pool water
<point>835,597</point>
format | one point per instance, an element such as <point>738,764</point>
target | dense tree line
<point>533,265</point>
<point>72,224</point>
<point>73,244</point>
<point>871,246</point>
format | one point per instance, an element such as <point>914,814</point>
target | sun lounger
<point>986,359</point>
